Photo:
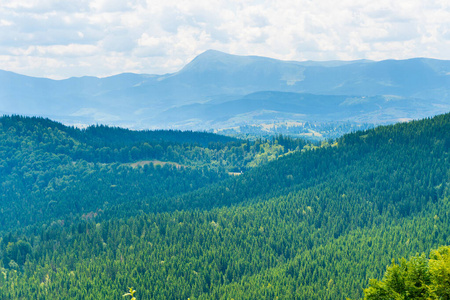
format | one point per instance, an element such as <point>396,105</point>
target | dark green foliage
<point>315,224</point>
<point>48,170</point>
<point>43,175</point>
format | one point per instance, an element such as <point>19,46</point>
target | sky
<point>61,39</point>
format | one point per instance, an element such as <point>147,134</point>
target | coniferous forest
<point>88,213</point>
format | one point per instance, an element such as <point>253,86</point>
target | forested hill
<point>100,135</point>
<point>48,170</point>
<point>314,224</point>
<point>387,160</point>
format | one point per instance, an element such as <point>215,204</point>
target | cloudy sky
<point>60,39</point>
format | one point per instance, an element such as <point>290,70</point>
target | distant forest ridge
<point>114,134</point>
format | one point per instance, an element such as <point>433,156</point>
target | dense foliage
<point>48,170</point>
<point>417,278</point>
<point>314,224</point>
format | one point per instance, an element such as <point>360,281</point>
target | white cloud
<point>110,5</point>
<point>6,23</point>
<point>103,37</point>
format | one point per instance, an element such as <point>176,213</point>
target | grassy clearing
<point>154,162</point>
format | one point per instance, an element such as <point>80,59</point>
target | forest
<point>89,213</point>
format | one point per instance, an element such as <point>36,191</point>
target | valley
<point>224,150</point>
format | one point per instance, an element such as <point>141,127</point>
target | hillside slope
<point>311,225</point>
<point>50,171</point>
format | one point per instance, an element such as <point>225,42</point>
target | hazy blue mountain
<point>216,87</point>
<point>267,107</point>
<point>230,74</point>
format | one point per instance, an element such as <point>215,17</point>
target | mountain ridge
<point>139,101</point>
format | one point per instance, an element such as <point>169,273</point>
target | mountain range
<point>218,90</point>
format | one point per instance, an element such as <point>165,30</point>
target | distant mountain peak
<point>213,53</point>
<point>209,58</point>
<point>217,60</point>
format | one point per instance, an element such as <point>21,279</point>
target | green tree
<point>439,266</point>
<point>418,278</point>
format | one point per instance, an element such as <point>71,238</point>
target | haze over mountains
<point>218,90</point>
